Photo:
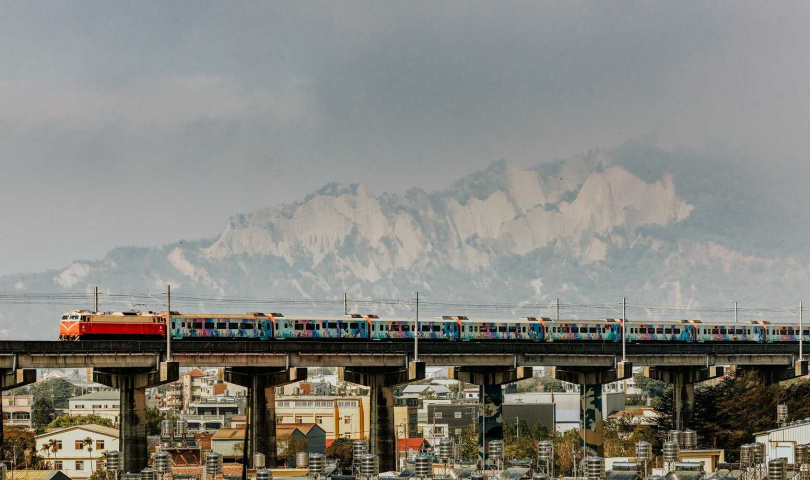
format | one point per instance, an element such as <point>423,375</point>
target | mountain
<point>662,228</point>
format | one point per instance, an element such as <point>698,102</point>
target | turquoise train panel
<point>660,332</point>
<point>734,332</point>
<point>583,331</point>
<point>392,329</point>
<point>784,333</point>
<point>222,326</point>
<point>439,329</point>
<point>320,328</point>
<point>494,330</point>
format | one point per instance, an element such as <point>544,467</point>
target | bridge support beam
<point>13,378</point>
<point>261,383</point>
<point>132,384</point>
<point>490,381</point>
<point>771,374</point>
<point>683,380</point>
<point>381,381</point>
<point>590,381</point>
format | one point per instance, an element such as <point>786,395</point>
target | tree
<point>341,450</point>
<point>652,388</point>
<point>238,449</point>
<point>19,448</point>
<point>469,444</point>
<point>288,448</point>
<point>42,413</point>
<point>566,448</point>
<point>153,419</point>
<point>68,420</point>
<point>88,444</point>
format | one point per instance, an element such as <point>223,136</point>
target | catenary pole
<point>624,321</point>
<point>168,323</point>
<point>416,333</point>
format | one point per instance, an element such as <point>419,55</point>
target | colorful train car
<point>524,329</point>
<point>660,332</point>
<point>249,326</point>
<point>605,330</point>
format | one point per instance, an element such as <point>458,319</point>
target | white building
<point>781,442</point>
<point>105,404</point>
<point>72,453</point>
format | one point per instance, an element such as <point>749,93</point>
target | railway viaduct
<point>134,366</point>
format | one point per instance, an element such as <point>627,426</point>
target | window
<point>354,325</point>
<point>79,444</point>
<point>502,328</point>
<point>79,406</point>
<point>57,465</point>
<point>406,328</point>
<point>79,464</point>
<point>437,328</point>
<point>58,444</point>
<point>457,415</point>
<point>233,326</point>
<point>659,330</point>
<point>97,406</point>
<point>298,326</point>
<point>437,414</point>
<point>99,444</point>
<point>512,328</point>
<point>310,326</point>
<point>347,419</point>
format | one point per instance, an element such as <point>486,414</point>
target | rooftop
<point>90,427</point>
<point>229,434</point>
<point>100,395</point>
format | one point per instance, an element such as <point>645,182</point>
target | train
<point>88,325</point>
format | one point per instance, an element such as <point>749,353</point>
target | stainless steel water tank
<point>540,476</point>
<point>759,453</point>
<point>301,460</point>
<point>644,451</point>
<point>115,461</point>
<point>689,441</point>
<point>781,413</point>
<point>180,430</point>
<point>3,470</point>
<point>444,450</point>
<point>478,476</point>
<point>671,451</point>
<point>316,465</point>
<point>359,448</point>
<point>496,449</point>
<point>747,454</point>
<point>264,474</point>
<point>593,467</point>
<point>148,473</point>
<point>258,461</point>
<point>674,436</point>
<point>655,477</point>
<point>777,469</point>
<point>802,455</point>
<point>213,463</point>
<point>369,465</point>
<point>161,462</point>
<point>423,466</point>
<point>166,430</point>
<point>545,451</point>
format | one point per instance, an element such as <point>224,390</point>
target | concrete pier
<point>132,384</point>
<point>12,378</point>
<point>683,380</point>
<point>590,381</point>
<point>262,383</point>
<point>381,382</point>
<point>490,381</point>
<point>771,374</point>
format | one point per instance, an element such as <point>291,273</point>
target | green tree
<point>566,448</point>
<point>468,442</point>
<point>153,418</point>
<point>68,420</point>
<point>341,450</point>
<point>238,449</point>
<point>19,448</point>
<point>652,388</point>
<point>55,391</point>
<point>549,384</point>
<point>42,413</point>
<point>288,448</point>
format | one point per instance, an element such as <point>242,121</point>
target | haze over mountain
<point>677,228</point>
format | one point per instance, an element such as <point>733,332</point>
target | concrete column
<point>381,382</point>
<point>131,384</point>
<point>771,374</point>
<point>590,381</point>
<point>490,381</point>
<point>13,378</point>
<point>683,380</point>
<point>262,383</point>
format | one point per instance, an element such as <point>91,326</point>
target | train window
<point>246,326</point>
<point>659,330</point>
<point>668,330</point>
<point>715,331</point>
<point>437,328</point>
<point>198,325</point>
<point>642,330</point>
<point>592,330</point>
<point>310,326</point>
<point>406,328</point>
<point>425,328</point>
<point>354,325</point>
<point>524,328</point>
<point>220,325</point>
<point>512,329</point>
<point>234,326</point>
<point>394,327</point>
<point>676,331</point>
<point>299,326</point>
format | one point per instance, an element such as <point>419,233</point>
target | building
<point>77,450</point>
<point>440,391</point>
<point>229,442</point>
<point>567,405</point>
<point>449,420</point>
<point>781,442</point>
<point>406,417</point>
<point>339,417</point>
<point>105,403</point>
<point>312,434</point>
<point>17,410</point>
<point>532,413</point>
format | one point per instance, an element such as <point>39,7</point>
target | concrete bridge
<point>133,366</point>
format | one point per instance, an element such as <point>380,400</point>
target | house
<point>440,391</point>
<point>17,410</point>
<point>781,442</point>
<point>412,445</point>
<point>77,450</point>
<point>229,442</point>
<point>313,434</point>
<point>105,403</point>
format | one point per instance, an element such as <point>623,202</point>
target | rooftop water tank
<point>317,464</point>
<point>369,465</point>
<point>161,462</point>
<point>644,451</point>
<point>672,451</point>
<point>777,469</point>
<point>423,466</point>
<point>593,467</point>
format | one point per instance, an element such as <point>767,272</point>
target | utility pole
<point>345,304</point>
<point>801,334</point>
<point>557,303</point>
<point>416,333</point>
<point>624,321</point>
<point>95,300</point>
<point>168,323</point>
<point>735,312</point>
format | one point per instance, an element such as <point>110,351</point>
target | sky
<point>142,123</point>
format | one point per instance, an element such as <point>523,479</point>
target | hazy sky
<point>146,122</point>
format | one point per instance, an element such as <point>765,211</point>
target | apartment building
<point>17,410</point>
<point>105,403</point>
<point>77,450</point>
<point>339,417</point>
